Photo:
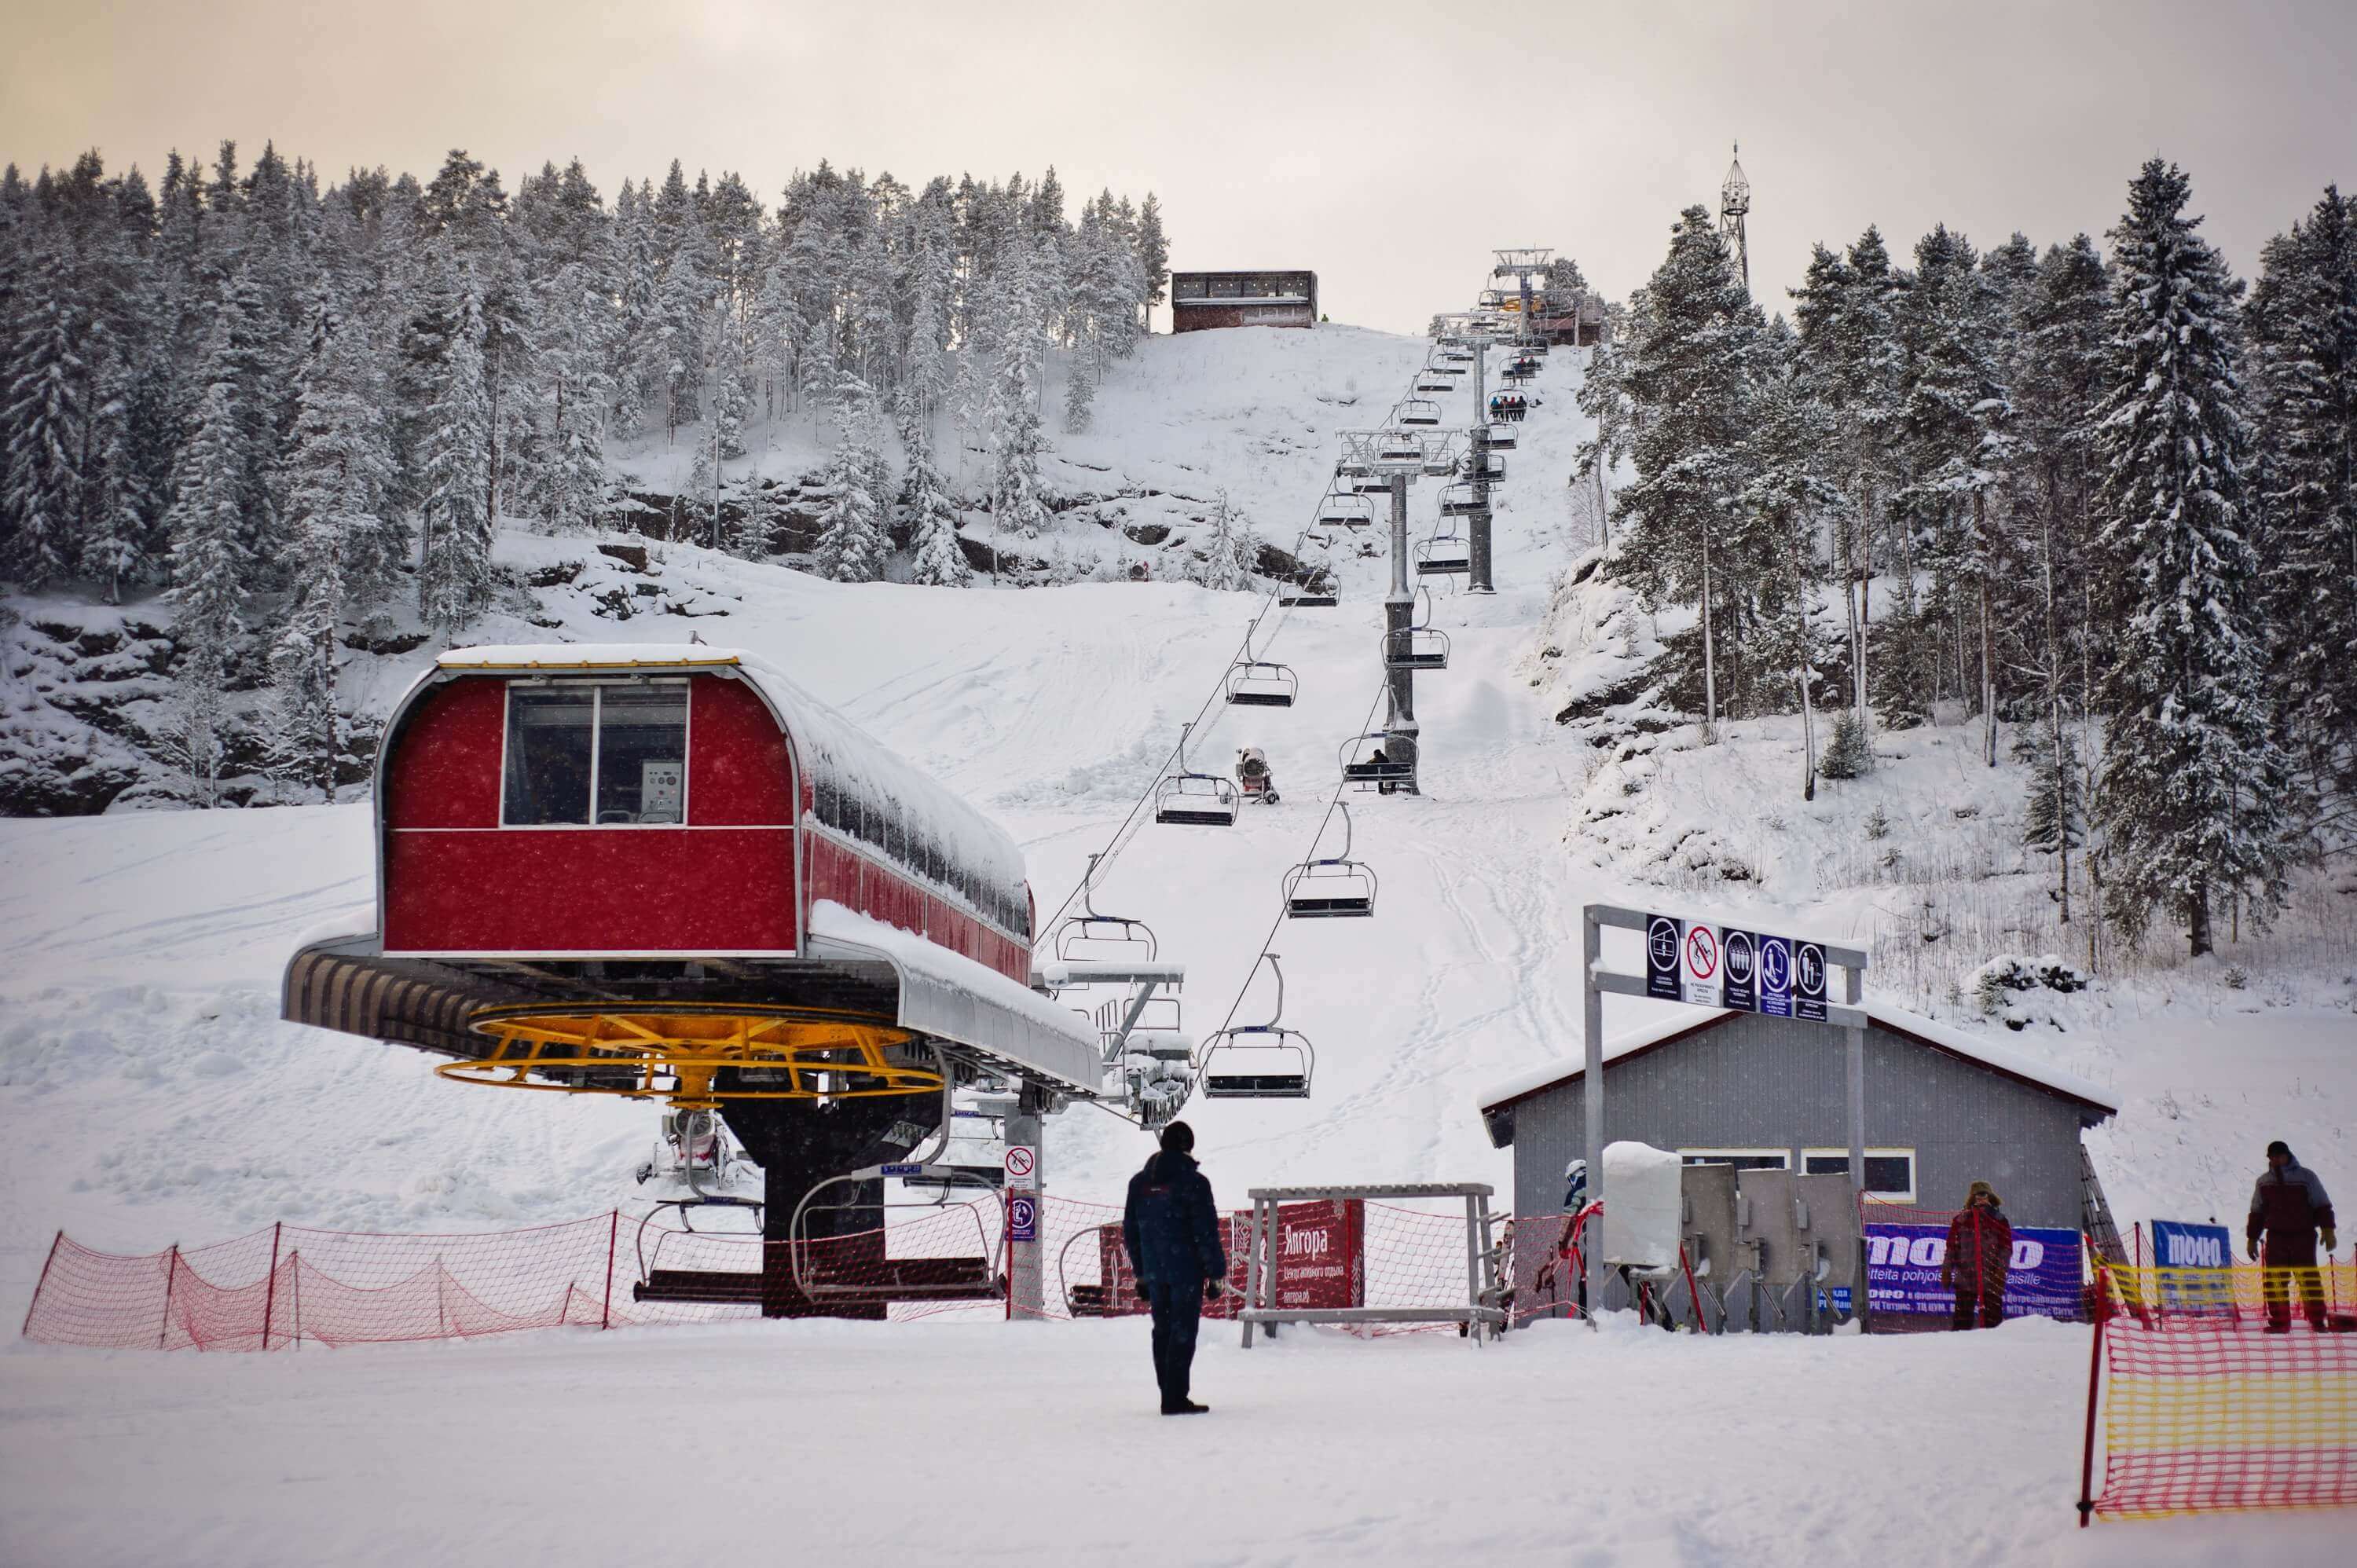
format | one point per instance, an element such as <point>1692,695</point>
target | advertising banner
<point>1321,1259</point>
<point>1902,1273</point>
<point>2196,1276</point>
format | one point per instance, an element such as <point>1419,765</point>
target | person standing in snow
<point>1171,1229</point>
<point>2290,1209</point>
<point>1979,1256</point>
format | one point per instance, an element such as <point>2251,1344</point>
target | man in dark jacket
<point>1171,1229</point>
<point>1979,1256</point>
<point>2288,1208</point>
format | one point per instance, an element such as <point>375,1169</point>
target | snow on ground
<point>148,1094</point>
<point>854,1444</point>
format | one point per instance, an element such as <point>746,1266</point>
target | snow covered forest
<point>300,409</point>
<point>2101,505</point>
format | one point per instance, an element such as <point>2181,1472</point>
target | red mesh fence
<point>2222,1388</point>
<point>283,1285</point>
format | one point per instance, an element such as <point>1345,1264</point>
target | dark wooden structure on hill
<point>1198,300</point>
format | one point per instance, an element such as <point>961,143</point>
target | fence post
<point>55,1242</point>
<point>2094,1378</point>
<point>613,1234</point>
<point>171,1267</point>
<point>270,1293</point>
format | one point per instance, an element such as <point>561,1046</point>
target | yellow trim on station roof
<point>445,662</point>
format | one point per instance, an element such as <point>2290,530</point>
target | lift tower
<point>1399,458</point>
<point>1734,205</point>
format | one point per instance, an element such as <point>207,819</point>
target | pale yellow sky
<point>1388,145</point>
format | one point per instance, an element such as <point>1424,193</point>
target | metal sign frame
<point>1848,1015</point>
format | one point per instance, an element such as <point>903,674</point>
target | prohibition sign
<point>1701,953</point>
<point>1020,1161</point>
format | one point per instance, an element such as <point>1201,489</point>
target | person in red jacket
<point>2288,1208</point>
<point>1979,1255</point>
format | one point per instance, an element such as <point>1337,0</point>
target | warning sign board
<point>1665,934</point>
<point>1775,965</point>
<point>1739,958</point>
<point>1022,1164</point>
<point>1022,1218</point>
<point>1699,962</point>
<point>1809,981</point>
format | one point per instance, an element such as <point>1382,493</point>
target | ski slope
<point>148,1094</point>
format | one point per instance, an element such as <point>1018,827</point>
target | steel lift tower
<point>1734,205</point>
<point>1399,458</point>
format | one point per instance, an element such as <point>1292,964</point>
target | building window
<point>622,746</point>
<point>1890,1173</point>
<point>551,739</point>
<point>1741,1159</point>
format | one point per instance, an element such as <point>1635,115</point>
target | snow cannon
<point>666,871</point>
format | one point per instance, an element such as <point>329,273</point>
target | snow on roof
<point>836,751</point>
<point>947,994</point>
<point>1685,1020</point>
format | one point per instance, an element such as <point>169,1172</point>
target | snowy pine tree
<point>852,545</point>
<point>1230,551</point>
<point>2195,796</point>
<point>209,566</point>
<point>454,570</point>
<point>931,515</point>
<point>47,416</point>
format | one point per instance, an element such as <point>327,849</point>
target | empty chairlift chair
<point>1458,501</point>
<point>1257,683</point>
<point>1432,378</point>
<point>1194,799</point>
<point>1326,887</point>
<point>1419,646</point>
<point>1314,592</point>
<point>1257,1061</point>
<point>1418,410</point>
<point>1444,554</point>
<point>1350,510</point>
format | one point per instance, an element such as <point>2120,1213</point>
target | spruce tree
<point>210,570</point>
<point>1689,380</point>
<point>2195,796</point>
<point>931,514</point>
<point>454,574</point>
<point>852,545</point>
<point>1230,551</point>
<point>2303,321</point>
<point>48,418</point>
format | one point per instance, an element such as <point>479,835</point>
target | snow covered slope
<point>147,1092</point>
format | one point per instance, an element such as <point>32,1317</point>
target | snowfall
<point>149,1095</point>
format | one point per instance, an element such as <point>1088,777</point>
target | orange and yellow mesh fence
<point>2221,1388</point>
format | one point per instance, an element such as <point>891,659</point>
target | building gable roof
<point>1684,1023</point>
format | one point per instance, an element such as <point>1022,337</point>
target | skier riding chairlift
<point>1253,775</point>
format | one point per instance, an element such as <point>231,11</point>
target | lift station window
<point>1741,1159</point>
<point>1890,1173</point>
<point>622,746</point>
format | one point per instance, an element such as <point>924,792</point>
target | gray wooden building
<point>1943,1109</point>
<point>1200,300</point>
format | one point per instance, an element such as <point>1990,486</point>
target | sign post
<point>1703,964</point>
<point>1027,1280</point>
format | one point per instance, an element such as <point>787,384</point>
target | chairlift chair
<point>1422,645</point>
<point>1500,436</point>
<point>1258,684</point>
<point>1334,887</point>
<point>1359,765</point>
<point>1401,445</point>
<point>1314,593</point>
<point>1194,799</point>
<point>1371,486</point>
<point>1257,1061</point>
<point>1419,410</point>
<point>1093,938</point>
<point>1346,510</point>
<point>1458,499</point>
<point>1444,554</point>
<point>1430,380</point>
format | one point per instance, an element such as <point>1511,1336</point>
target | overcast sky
<point>1388,146</point>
